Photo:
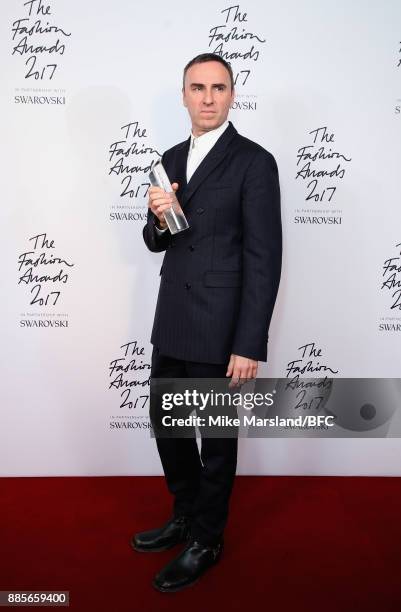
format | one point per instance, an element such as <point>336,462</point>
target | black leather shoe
<point>176,530</point>
<point>188,567</point>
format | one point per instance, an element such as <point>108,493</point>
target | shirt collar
<point>209,138</point>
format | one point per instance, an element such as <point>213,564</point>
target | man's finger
<point>162,198</point>
<point>159,209</point>
<point>162,207</point>
<point>236,377</point>
<point>153,189</point>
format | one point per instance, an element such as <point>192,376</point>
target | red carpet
<point>292,543</point>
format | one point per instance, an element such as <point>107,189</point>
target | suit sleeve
<point>154,241</point>
<point>261,256</point>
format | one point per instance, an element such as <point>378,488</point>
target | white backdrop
<point>90,95</point>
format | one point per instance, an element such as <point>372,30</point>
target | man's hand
<point>159,201</point>
<point>241,369</point>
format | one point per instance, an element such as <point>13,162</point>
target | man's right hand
<point>159,201</point>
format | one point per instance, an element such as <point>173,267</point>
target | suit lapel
<point>209,163</point>
<point>180,174</point>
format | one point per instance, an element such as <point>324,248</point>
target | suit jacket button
<point>200,210</point>
<point>187,286</point>
<point>191,248</point>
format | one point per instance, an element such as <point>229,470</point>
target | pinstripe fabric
<point>219,278</point>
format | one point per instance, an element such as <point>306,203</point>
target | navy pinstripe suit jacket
<point>220,277</point>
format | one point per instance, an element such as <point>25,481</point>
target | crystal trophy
<point>174,216</point>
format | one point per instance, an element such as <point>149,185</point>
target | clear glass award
<point>174,216</point>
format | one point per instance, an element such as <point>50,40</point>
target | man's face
<point>207,95</point>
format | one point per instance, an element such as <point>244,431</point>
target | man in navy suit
<point>219,282</point>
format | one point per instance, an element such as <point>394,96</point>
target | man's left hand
<point>241,369</point>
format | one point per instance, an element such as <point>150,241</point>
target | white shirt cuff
<point>160,231</point>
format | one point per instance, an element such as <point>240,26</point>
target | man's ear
<point>183,98</point>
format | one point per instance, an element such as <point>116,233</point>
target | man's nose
<point>208,97</point>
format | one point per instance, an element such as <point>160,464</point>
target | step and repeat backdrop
<point>90,98</point>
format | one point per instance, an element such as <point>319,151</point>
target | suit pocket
<point>222,279</point>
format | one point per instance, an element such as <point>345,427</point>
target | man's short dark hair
<point>209,57</point>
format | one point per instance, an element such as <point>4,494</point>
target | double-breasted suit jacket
<point>220,277</point>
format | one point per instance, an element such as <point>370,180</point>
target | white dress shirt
<point>199,147</point>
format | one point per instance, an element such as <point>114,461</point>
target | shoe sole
<point>181,588</point>
<point>188,584</point>
<point>160,549</point>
